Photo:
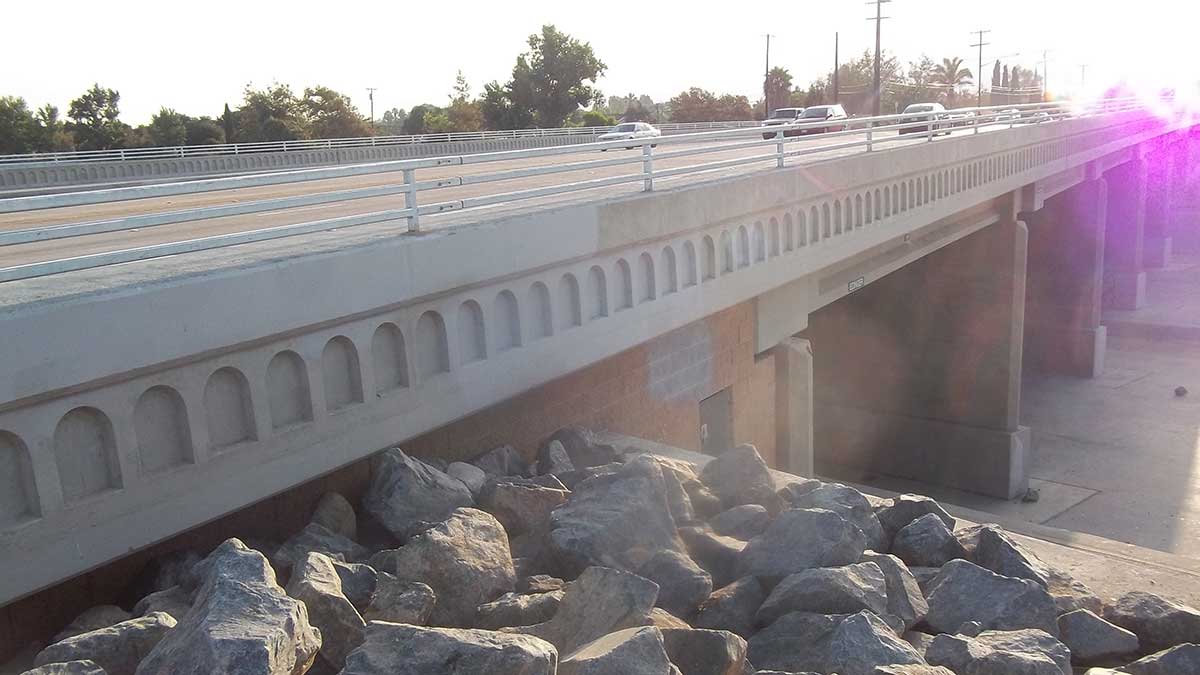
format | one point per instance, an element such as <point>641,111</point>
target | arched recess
<point>774,239</point>
<point>227,409</point>
<point>858,211</point>
<point>17,494</point>
<point>789,232</point>
<point>709,259</point>
<point>389,358</point>
<point>472,338</point>
<point>433,350</point>
<point>743,245</point>
<point>287,390</point>
<point>541,317</point>
<point>689,264</point>
<point>164,438</point>
<point>903,196</point>
<point>86,454</point>
<point>670,271</point>
<point>624,285</point>
<point>646,276</point>
<point>570,313</point>
<point>597,293</point>
<point>814,225</point>
<point>760,243</point>
<point>837,216</point>
<point>341,374</point>
<point>726,252</point>
<point>507,321</point>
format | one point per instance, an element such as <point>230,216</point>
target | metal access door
<point>716,423</point>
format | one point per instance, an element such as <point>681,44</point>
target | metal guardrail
<point>182,151</point>
<point>866,133</point>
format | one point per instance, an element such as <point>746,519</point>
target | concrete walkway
<point>1119,456</point>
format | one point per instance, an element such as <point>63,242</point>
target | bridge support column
<point>1160,188</point>
<point>1063,334</point>
<point>918,374</point>
<point>794,406</point>
<point>1125,242</point>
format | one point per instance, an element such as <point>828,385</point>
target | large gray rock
<point>93,618</point>
<point>800,539</point>
<point>990,547</point>
<point>717,554</point>
<point>400,601</point>
<point>512,609</point>
<point>705,652</point>
<point>740,476</point>
<point>117,649</point>
<point>863,642</point>
<point>674,477</point>
<point>315,538</point>
<point>742,522</point>
<point>1183,659</point>
<point>406,494</point>
<point>84,667</point>
<point>465,560</point>
<point>539,583</point>
<point>796,642</point>
<point>682,585</point>
<point>1027,652</point>
<point>358,582</point>
<point>905,600</point>
<point>502,461</point>
<point>602,600</point>
<point>521,508</point>
<point>705,504</point>
<point>620,520</point>
<point>827,590</point>
<point>401,649</point>
<point>335,514</point>
<point>732,608</point>
<point>584,448</point>
<point>242,622</point>
<point>849,504</point>
<point>316,583</point>
<point>926,542</point>
<point>1092,639</point>
<point>1158,622</point>
<point>553,459</point>
<point>964,592</point>
<point>470,475</point>
<point>174,601</point>
<point>663,619</point>
<point>1071,594</point>
<point>896,513</point>
<point>632,651</point>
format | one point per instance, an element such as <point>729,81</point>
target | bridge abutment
<point>918,374</point>
<point>1065,281</point>
<point>794,405</point>
<point>1125,243</point>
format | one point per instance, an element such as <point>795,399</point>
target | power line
<point>979,80</point>
<point>878,19</point>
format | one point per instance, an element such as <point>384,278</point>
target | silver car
<point>630,131</point>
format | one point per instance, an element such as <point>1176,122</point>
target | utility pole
<point>767,81</point>
<point>835,67</point>
<point>878,19</point>
<point>371,96</point>
<point>979,80</point>
<point>1045,75</point>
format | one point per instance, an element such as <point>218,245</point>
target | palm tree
<point>951,73</point>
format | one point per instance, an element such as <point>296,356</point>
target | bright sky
<point>196,57</point>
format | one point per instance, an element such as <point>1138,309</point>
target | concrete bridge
<point>849,311</point>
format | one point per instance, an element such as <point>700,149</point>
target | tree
<point>204,131</point>
<point>549,82</point>
<point>168,128</point>
<point>52,134</point>
<point>392,122</point>
<point>699,105</point>
<point>597,118</point>
<point>1014,78</point>
<point>1005,79</point>
<point>18,126</point>
<point>464,114</point>
<point>996,75</point>
<point>414,123</point>
<point>229,124</point>
<point>271,114</point>
<point>951,74</point>
<point>94,119</point>
<point>778,89</point>
<point>331,114</point>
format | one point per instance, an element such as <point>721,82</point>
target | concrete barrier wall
<point>35,176</point>
<point>220,389</point>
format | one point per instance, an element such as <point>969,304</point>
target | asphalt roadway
<point>21,254</point>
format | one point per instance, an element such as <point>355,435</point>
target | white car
<point>630,131</point>
<point>782,116</point>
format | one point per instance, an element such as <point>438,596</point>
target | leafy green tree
<point>229,125</point>
<point>436,122</point>
<point>331,114</point>
<point>778,89</point>
<point>94,119</point>
<point>168,128</point>
<point>271,114</point>
<point>549,82</point>
<point>392,122</point>
<point>597,118</point>
<point>414,124</point>
<point>52,135</point>
<point>699,105</point>
<point>204,131</point>
<point>464,113</point>
<point>953,77</point>
<point>18,126</point>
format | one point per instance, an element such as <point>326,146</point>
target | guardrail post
<point>779,149</point>
<point>975,122</point>
<point>410,200</point>
<point>929,132</point>
<point>648,167</point>
<point>870,136</point>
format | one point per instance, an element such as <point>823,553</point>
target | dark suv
<point>833,113</point>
